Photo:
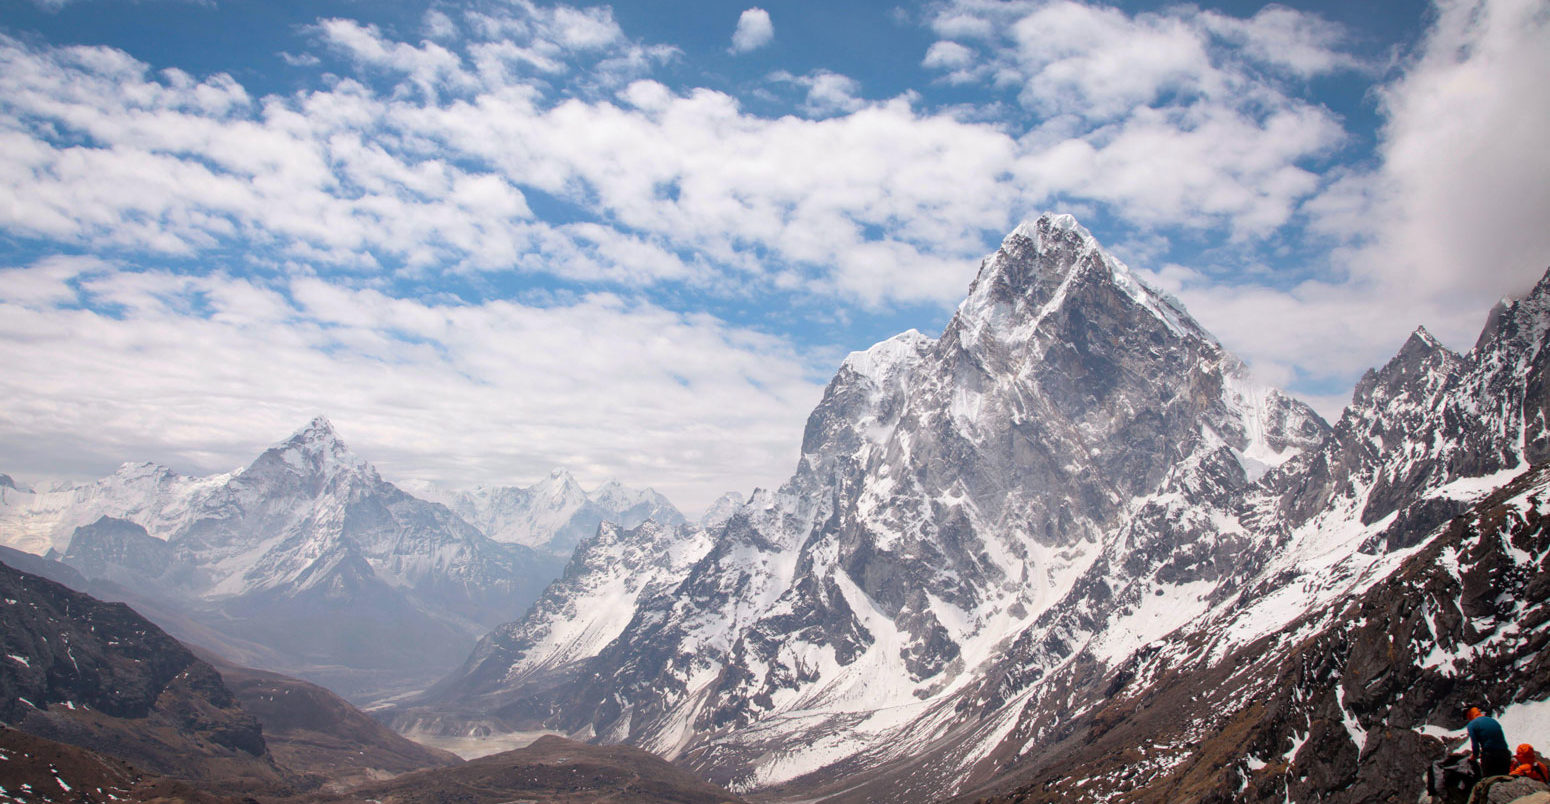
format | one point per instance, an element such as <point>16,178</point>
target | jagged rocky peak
<point>722,509</point>
<point>7,483</point>
<point>885,360</point>
<point>1517,324</point>
<point>111,544</point>
<point>144,472</point>
<point>1041,266</point>
<point>1423,359</point>
<point>614,496</point>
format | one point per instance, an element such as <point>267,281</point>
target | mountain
<point>555,514</point>
<point>951,491</point>
<point>305,560</point>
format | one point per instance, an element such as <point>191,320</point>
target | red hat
<point>1525,752</point>
<point>1474,712</point>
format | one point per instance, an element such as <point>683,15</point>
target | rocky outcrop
<point>99,676</point>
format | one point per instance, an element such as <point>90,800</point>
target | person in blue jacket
<point>1487,744</point>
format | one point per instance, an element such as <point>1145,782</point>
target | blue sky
<point>489,239</point>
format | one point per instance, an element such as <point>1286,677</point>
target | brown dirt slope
<point>34,769</point>
<point>553,770</point>
<point>318,735</point>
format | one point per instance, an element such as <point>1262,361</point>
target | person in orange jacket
<point>1526,764</point>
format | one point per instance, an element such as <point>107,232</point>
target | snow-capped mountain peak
<point>559,490</point>
<point>616,496</point>
<point>722,509</point>
<point>1043,266</point>
<point>319,446</point>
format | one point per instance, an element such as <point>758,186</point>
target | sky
<point>491,239</point>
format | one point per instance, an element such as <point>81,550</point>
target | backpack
<point>1450,779</point>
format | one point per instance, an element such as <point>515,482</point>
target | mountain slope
<point>553,770</point>
<point>316,735</point>
<point>99,676</point>
<point>39,769</point>
<point>1345,704</point>
<point>579,614</point>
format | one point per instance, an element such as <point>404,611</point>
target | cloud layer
<point>202,372</point>
<point>1450,218</point>
<point>490,247</point>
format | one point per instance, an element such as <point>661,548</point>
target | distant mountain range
<point>555,514</point>
<point>307,561</point>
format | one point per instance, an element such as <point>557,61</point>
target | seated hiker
<point>1487,744</point>
<point>1525,763</point>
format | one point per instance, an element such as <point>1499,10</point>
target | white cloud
<point>1452,219</point>
<point>828,93</point>
<point>1184,117</point>
<point>1466,172</point>
<point>203,372</point>
<point>946,55</point>
<point>1304,44</point>
<point>1168,118</point>
<point>432,158</point>
<point>754,30</point>
<point>438,26</point>
<point>435,169</point>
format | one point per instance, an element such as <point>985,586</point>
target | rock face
<point>306,558</point>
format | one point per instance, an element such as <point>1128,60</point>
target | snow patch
<point>1527,722</point>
